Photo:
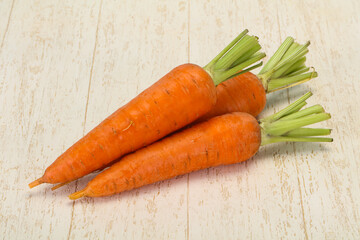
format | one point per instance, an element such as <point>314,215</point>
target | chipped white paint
<point>66,65</point>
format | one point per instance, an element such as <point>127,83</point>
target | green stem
<point>286,68</point>
<point>290,67</point>
<point>280,82</point>
<point>307,132</point>
<point>246,70</point>
<point>247,55</point>
<point>277,55</point>
<point>238,50</point>
<point>288,109</point>
<point>311,110</point>
<point>235,59</point>
<point>269,140</point>
<point>281,127</point>
<point>299,71</point>
<point>241,35</point>
<point>288,124</point>
<point>297,108</point>
<point>296,54</point>
<point>231,72</point>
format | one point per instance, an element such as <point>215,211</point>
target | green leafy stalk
<point>290,81</point>
<point>281,127</point>
<point>289,109</point>
<point>295,139</point>
<point>311,110</point>
<point>240,56</point>
<point>288,124</point>
<point>286,68</point>
<point>307,132</point>
<point>297,108</point>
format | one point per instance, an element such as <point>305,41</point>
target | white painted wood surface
<point>66,65</point>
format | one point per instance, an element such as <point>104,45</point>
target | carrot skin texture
<point>226,139</point>
<point>243,93</point>
<point>177,99</point>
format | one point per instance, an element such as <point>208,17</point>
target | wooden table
<point>66,65</point>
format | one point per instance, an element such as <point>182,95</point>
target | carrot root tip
<point>36,182</point>
<point>58,186</point>
<point>77,195</point>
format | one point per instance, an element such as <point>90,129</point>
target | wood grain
<point>44,69</point>
<point>6,8</point>
<point>329,177</point>
<point>66,65</point>
<point>255,199</point>
<point>133,51</point>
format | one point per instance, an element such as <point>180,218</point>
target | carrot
<point>226,139</point>
<point>247,92</point>
<point>177,99</point>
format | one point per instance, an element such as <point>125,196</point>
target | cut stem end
<point>286,68</point>
<point>240,56</point>
<point>288,124</point>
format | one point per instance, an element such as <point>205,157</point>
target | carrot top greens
<point>286,68</point>
<point>234,59</point>
<point>287,124</point>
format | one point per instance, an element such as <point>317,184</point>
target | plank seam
<point>301,197</point>
<point>86,107</point>
<point>296,163</point>
<point>7,25</point>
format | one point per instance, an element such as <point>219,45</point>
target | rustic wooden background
<point>66,65</point>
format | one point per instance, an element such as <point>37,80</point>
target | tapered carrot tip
<point>36,182</point>
<point>77,195</point>
<point>58,186</point>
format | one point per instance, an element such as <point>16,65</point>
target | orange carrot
<point>180,97</point>
<point>225,139</point>
<point>243,93</point>
<point>247,92</point>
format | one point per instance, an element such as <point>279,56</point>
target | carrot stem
<point>286,81</point>
<point>36,182</point>
<point>294,55</point>
<point>247,70</point>
<point>307,111</point>
<point>233,71</point>
<point>299,71</point>
<point>301,132</point>
<point>297,139</point>
<point>287,125</point>
<point>277,55</point>
<point>296,109</point>
<point>290,67</point>
<point>237,51</point>
<point>248,54</point>
<point>286,68</point>
<point>288,109</point>
<point>78,194</point>
<point>235,59</point>
<point>227,48</point>
<point>280,127</point>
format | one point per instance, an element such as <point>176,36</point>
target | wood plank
<point>328,174</point>
<point>137,44</point>
<point>6,7</point>
<point>257,199</point>
<point>44,70</point>
<point>65,66</point>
